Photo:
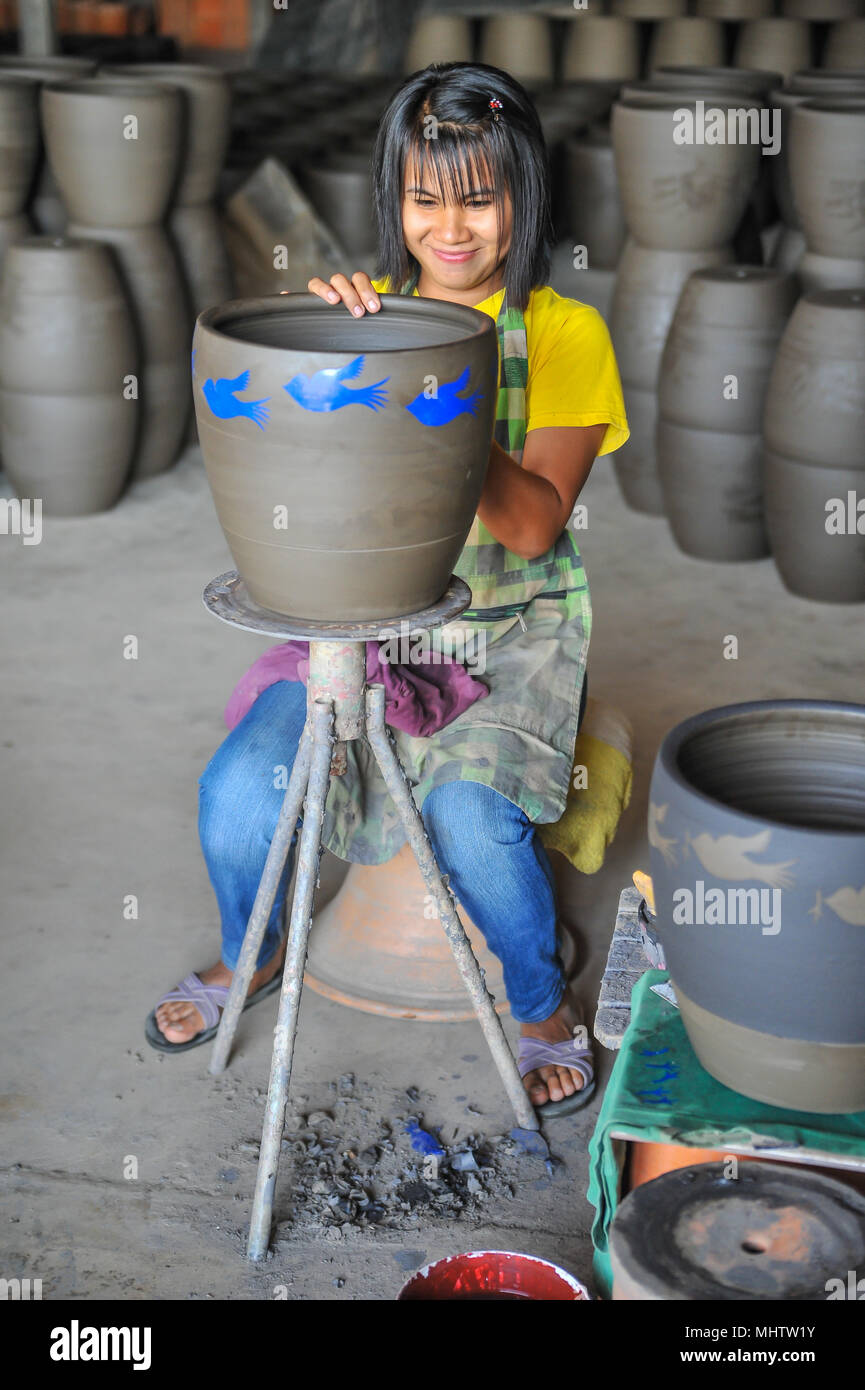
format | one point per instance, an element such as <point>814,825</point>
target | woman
<point>462,200</point>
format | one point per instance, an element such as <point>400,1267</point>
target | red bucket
<point>493,1275</point>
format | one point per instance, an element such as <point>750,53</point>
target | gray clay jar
<point>344,491</point>
<point>757,840</point>
<point>601,47</point>
<point>207,98</point>
<point>67,349</point>
<point>593,209</point>
<point>815,455</point>
<point>107,178</point>
<point>154,285</point>
<point>780,44</point>
<point>340,189</point>
<point>438,38</point>
<point>520,43</point>
<point>19,141</point>
<point>46,205</point>
<point>647,290</point>
<point>827,162</point>
<point>678,197</point>
<point>710,428</point>
<point>691,41</point>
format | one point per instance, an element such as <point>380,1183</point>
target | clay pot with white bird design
<point>757,839</point>
<point>346,456</point>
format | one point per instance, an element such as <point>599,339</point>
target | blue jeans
<point>498,868</point>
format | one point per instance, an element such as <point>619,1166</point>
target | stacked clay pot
<point>690,40</point>
<point>593,208</point>
<point>601,47</point>
<point>757,894</point>
<point>845,45</point>
<point>438,38</point>
<point>117,191</point>
<point>519,43</point>
<point>827,174</point>
<point>67,350</point>
<point>46,205</point>
<point>781,44</point>
<point>682,204</point>
<point>710,428</point>
<point>193,221</point>
<point>19,154</point>
<point>814,430</point>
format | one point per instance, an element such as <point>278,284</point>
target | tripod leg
<point>308,855</point>
<point>263,905</point>
<point>397,785</point>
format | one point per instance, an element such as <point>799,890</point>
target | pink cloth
<point>419,699</point>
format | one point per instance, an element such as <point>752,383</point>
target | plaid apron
<point>532,622</point>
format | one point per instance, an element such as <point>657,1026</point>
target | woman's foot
<point>553,1083</point>
<point>179,1021</point>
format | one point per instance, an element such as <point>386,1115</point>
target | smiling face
<point>456,231</point>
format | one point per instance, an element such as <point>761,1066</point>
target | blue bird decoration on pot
<point>447,404</point>
<point>221,397</point>
<point>326,390</point>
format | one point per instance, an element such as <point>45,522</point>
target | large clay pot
<point>763,807</point>
<point>845,45</point>
<point>776,1232</point>
<point>438,38</point>
<point>734,9</point>
<point>19,141</point>
<point>814,427</point>
<point>299,406</point>
<point>648,286</point>
<point>67,345</point>
<point>107,177</point>
<point>593,209</point>
<point>46,205</point>
<point>710,429</point>
<point>601,46</point>
<point>521,44</point>
<point>207,101</point>
<point>154,285</point>
<point>827,172</point>
<point>781,44</point>
<point>339,186</point>
<point>376,947</point>
<point>692,41</point>
<point>678,197</point>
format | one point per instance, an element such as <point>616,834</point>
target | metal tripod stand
<point>340,707</point>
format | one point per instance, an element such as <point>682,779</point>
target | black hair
<point>442,116</point>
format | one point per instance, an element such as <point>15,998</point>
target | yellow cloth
<point>593,811</point>
<point>560,332</point>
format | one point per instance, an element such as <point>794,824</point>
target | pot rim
<point>212,319</point>
<point>680,734</point>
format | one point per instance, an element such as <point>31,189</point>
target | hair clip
<point>496,106</point>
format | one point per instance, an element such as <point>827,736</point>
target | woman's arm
<point>527,506</point>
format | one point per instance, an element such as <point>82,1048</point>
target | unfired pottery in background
<point>303,408</point>
<point>67,349</point>
<point>845,45</point>
<point>728,323</point>
<point>106,178</point>
<point>689,40</point>
<point>781,44</point>
<point>340,189</point>
<point>19,141</point>
<point>438,38</point>
<point>814,433</point>
<point>601,46</point>
<point>593,210</point>
<point>678,197</point>
<point>827,175</point>
<point>763,808</point>
<point>648,286</point>
<point>46,205</point>
<point>520,43</point>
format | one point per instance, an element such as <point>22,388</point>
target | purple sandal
<point>533,1053</point>
<point>209,1000</point>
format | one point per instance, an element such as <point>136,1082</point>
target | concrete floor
<point>100,757</point>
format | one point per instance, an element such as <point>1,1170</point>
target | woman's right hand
<point>357,294</point>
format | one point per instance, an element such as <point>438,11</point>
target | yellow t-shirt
<point>573,375</point>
